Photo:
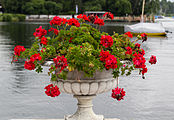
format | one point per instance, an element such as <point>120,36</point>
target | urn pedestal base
<point>84,110</point>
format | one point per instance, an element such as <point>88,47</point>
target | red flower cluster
<point>129,34</point>
<point>106,41</point>
<point>91,18</point>
<point>39,32</point>
<point>43,40</point>
<point>118,93</point>
<point>57,21</point>
<point>144,37</point>
<point>99,21</point>
<point>18,49</point>
<point>60,62</point>
<point>129,50</point>
<point>52,91</point>
<point>54,29</point>
<point>29,65</point>
<point>84,17</point>
<point>35,57</point>
<point>152,60</point>
<point>104,55</point>
<point>110,60</point>
<point>139,62</point>
<point>137,45</point>
<point>109,15</point>
<point>74,22</point>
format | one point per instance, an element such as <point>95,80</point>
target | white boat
<point>151,29</point>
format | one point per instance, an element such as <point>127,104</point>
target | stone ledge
<point>63,119</point>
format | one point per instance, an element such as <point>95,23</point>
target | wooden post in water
<point>142,15</point>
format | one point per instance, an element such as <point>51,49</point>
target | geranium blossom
<point>29,65</point>
<point>56,21</point>
<point>106,41</point>
<point>60,62</point>
<point>144,37</point>
<point>54,30</point>
<point>104,55</point>
<point>111,62</point>
<point>43,40</point>
<point>52,91</point>
<point>35,57</point>
<point>99,21</point>
<point>129,34</point>
<point>109,15</point>
<point>129,50</point>
<point>118,93</point>
<point>18,49</point>
<point>137,45</point>
<point>84,17</point>
<point>152,60</point>
<point>39,32</point>
<point>73,22</point>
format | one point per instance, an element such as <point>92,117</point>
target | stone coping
<point>62,119</point>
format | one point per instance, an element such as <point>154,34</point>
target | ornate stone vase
<point>84,90</point>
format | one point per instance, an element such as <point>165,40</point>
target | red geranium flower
<point>52,91</point>
<point>144,37</point>
<point>64,21</point>
<point>144,70</point>
<point>39,32</point>
<point>29,65</point>
<point>91,18</point>
<point>104,55</point>
<point>54,29</point>
<point>109,15</point>
<point>35,57</point>
<point>43,40</point>
<point>129,50</point>
<point>60,62</point>
<point>56,21</point>
<point>152,60</point>
<point>111,62</point>
<point>137,45</point>
<point>84,17</point>
<point>106,41</point>
<point>129,34</point>
<point>99,21</point>
<point>18,49</point>
<point>74,22</point>
<point>139,60</point>
<point>118,93</point>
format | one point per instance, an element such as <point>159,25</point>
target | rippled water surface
<point>22,91</point>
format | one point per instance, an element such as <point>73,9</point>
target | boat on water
<point>151,29</point>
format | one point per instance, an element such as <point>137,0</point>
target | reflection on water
<point>22,92</point>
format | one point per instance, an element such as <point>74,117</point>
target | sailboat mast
<point>142,15</point>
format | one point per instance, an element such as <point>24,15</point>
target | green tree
<point>120,7</point>
<point>52,8</point>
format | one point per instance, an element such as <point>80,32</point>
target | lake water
<point>22,91</point>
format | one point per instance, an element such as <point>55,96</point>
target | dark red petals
<point>52,91</point>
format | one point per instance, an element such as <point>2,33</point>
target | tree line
<point>117,7</point>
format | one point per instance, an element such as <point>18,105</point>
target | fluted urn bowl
<point>85,89</point>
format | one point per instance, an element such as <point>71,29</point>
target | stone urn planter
<point>84,90</point>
